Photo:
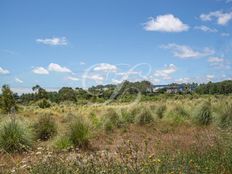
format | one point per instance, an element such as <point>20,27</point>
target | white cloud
<point>105,67</point>
<point>4,71</point>
<point>165,23</point>
<point>72,78</point>
<point>40,70</point>
<point>215,60</point>
<point>126,75</point>
<point>115,81</point>
<point>155,80</point>
<point>183,80</point>
<point>18,80</point>
<point>166,72</point>
<point>225,34</point>
<point>55,41</point>
<point>210,77</point>
<point>95,77</point>
<point>219,62</point>
<point>221,17</point>
<point>82,63</point>
<point>186,52</point>
<point>57,68</point>
<point>206,29</point>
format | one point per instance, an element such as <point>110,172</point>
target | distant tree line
<point>224,87</point>
<point>97,93</point>
<point>100,93</point>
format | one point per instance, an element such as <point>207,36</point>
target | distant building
<point>173,89</point>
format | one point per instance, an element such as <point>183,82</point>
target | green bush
<point>160,111</point>
<point>226,116</point>
<point>44,104</point>
<point>63,143</point>
<point>95,121</point>
<point>203,114</point>
<point>127,116</point>
<point>111,120</point>
<point>79,133</point>
<point>45,127</point>
<point>14,137</point>
<point>144,117</point>
<point>180,111</point>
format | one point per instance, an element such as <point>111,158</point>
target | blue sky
<point>82,43</point>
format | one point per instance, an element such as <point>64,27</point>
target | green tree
<point>40,93</point>
<point>67,94</point>
<point>7,100</point>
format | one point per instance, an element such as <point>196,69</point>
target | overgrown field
<point>179,134</point>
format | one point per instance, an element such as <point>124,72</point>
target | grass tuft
<point>14,137</point>
<point>45,127</point>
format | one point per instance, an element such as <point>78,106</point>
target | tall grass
<point>79,133</point>
<point>14,136</point>
<point>203,114</point>
<point>144,116</point>
<point>131,159</point>
<point>226,116</point>
<point>160,111</point>
<point>110,120</point>
<point>45,127</point>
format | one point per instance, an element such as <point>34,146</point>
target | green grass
<point>79,133</point>
<point>131,159</point>
<point>203,114</point>
<point>45,127</point>
<point>14,137</point>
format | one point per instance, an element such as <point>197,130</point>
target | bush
<point>7,100</point>
<point>14,137</point>
<point>160,111</point>
<point>45,127</point>
<point>144,117</point>
<point>180,111</point>
<point>226,116</point>
<point>63,143</point>
<point>44,103</point>
<point>127,116</point>
<point>111,120</point>
<point>79,133</point>
<point>203,115</point>
<point>95,121</point>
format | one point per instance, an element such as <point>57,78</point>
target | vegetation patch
<point>14,137</point>
<point>79,133</point>
<point>45,127</point>
<point>203,114</point>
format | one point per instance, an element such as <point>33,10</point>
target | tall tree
<point>40,93</point>
<point>8,103</point>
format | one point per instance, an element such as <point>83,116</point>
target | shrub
<point>160,111</point>
<point>63,143</point>
<point>7,102</point>
<point>45,127</point>
<point>226,116</point>
<point>111,120</point>
<point>79,133</point>
<point>127,116</point>
<point>203,115</point>
<point>180,111</point>
<point>44,103</point>
<point>144,117</point>
<point>95,121</point>
<point>14,137</point>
